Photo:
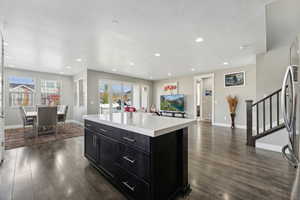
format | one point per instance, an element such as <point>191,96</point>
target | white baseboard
<point>21,126</point>
<point>269,147</point>
<point>13,126</point>
<point>229,125</point>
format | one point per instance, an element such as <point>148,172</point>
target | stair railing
<point>264,130</point>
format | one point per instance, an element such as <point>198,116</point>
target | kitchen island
<point>143,155</point>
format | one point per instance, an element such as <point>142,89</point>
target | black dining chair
<point>46,120</point>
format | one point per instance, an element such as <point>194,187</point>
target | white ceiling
<point>45,35</point>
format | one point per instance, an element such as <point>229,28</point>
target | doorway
<point>204,98</point>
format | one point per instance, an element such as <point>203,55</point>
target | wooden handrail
<point>267,97</point>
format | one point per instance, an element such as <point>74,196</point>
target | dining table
<point>33,114</point>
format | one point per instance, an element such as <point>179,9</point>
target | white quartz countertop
<point>143,123</point>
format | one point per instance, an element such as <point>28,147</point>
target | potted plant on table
<point>232,102</point>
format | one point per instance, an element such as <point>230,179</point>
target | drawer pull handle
<point>128,139</point>
<point>128,186</point>
<point>103,130</point>
<point>128,159</point>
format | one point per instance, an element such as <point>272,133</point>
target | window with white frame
<point>81,93</point>
<point>50,92</point>
<point>21,91</point>
<point>75,93</point>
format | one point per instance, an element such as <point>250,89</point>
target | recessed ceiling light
<point>115,21</point>
<point>114,70</point>
<point>68,67</point>
<point>5,44</point>
<point>246,46</point>
<point>193,69</point>
<point>131,63</point>
<point>79,60</point>
<point>226,63</point>
<point>157,54</point>
<point>151,77</point>
<point>169,74</point>
<point>199,39</point>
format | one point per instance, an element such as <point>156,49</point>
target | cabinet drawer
<point>102,129</point>
<point>134,161</point>
<point>135,139</point>
<point>133,186</point>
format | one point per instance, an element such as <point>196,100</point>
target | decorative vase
<point>232,120</point>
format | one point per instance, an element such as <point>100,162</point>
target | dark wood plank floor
<point>221,166</point>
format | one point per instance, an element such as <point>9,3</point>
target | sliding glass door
<point>115,96</point>
<point>104,103</point>
<point>127,94</point>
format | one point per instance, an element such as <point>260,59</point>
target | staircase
<point>267,117</point>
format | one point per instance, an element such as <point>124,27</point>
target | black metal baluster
<point>278,108</point>
<point>257,119</point>
<point>264,115</point>
<point>250,140</point>
<point>271,120</point>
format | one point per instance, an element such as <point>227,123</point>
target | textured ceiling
<point>122,37</point>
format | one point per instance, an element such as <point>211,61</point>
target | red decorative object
<point>129,109</point>
<point>170,87</point>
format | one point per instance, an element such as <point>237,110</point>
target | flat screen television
<point>173,103</point>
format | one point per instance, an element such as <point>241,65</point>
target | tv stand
<point>172,114</point>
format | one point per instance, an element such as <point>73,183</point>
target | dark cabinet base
<point>142,167</point>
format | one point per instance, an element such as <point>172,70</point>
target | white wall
<point>185,86</point>
<point>271,67</point>
<point>222,117</point>
<point>12,115</point>
<point>282,23</point>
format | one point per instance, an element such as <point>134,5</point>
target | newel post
<point>250,140</point>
